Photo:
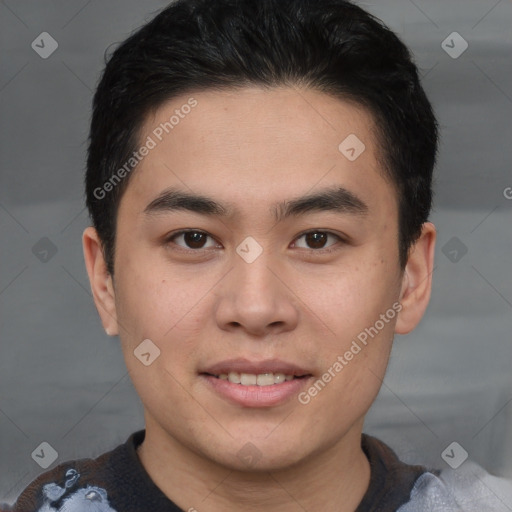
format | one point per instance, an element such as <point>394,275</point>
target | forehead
<point>254,145</point>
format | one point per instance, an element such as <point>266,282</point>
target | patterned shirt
<point>116,481</point>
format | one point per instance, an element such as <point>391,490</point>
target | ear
<point>417,280</point>
<point>101,281</point>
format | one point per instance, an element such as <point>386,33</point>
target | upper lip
<point>241,365</point>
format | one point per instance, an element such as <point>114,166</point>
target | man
<point>259,181</point>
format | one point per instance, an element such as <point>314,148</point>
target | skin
<point>253,148</point>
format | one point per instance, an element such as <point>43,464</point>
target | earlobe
<point>100,280</point>
<point>417,281</point>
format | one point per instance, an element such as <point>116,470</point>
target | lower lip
<point>256,396</point>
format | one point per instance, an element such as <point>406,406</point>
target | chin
<point>256,454</point>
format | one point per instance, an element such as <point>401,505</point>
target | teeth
<point>249,379</point>
<point>281,377</point>
<point>234,377</point>
<point>265,379</point>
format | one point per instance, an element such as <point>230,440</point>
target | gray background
<point>63,381</point>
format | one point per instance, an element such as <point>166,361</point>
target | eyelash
<point>170,239</point>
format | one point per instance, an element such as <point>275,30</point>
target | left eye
<point>317,239</point>
<point>197,239</point>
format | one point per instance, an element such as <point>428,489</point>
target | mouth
<point>255,384</point>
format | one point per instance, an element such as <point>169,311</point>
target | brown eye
<point>191,239</point>
<point>317,239</point>
<point>194,240</point>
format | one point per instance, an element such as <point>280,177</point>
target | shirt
<point>116,481</point>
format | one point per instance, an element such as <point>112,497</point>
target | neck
<point>333,480</point>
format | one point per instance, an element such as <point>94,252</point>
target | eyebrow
<point>336,199</point>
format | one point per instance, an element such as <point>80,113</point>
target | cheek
<point>143,299</point>
<point>362,308</point>
<point>359,310</point>
<point>167,308</point>
<point>149,307</point>
<point>350,298</point>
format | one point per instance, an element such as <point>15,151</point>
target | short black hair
<point>332,46</point>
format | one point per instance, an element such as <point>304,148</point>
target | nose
<point>256,297</point>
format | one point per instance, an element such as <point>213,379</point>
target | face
<point>281,271</point>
